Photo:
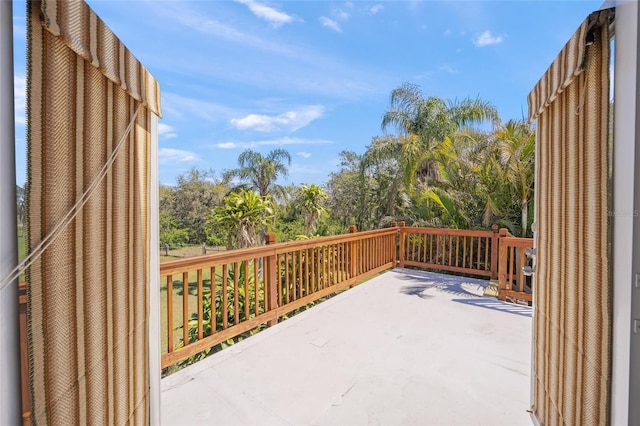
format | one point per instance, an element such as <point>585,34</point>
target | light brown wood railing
<point>455,250</point>
<point>512,282</point>
<point>207,300</point>
<point>249,287</point>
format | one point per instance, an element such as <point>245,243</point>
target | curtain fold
<point>572,302</point>
<point>88,293</point>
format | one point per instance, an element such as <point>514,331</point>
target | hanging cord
<point>75,210</point>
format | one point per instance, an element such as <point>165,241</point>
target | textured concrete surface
<point>405,348</point>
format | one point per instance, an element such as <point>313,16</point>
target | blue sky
<point>314,77</point>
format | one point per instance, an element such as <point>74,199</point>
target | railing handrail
<point>238,255</point>
<point>448,231</point>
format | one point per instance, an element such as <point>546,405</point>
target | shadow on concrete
<point>451,284</point>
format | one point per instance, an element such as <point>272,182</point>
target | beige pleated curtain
<point>88,292</point>
<point>572,302</point>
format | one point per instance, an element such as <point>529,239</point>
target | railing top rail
<point>239,255</point>
<point>448,231</point>
<point>516,241</point>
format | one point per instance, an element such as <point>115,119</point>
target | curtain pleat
<point>572,303</point>
<point>88,293</point>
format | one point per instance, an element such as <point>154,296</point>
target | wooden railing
<point>513,284</point>
<point>454,250</point>
<point>223,295</point>
<point>207,300</point>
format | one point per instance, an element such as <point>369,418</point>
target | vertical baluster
<point>486,254</point>
<point>185,308</point>
<point>300,277</point>
<point>471,253</point>
<point>430,248</point>
<point>312,260</point>
<point>236,308</point>
<point>464,251</point>
<point>337,266</point>
<point>200,307</point>
<point>522,262</point>
<point>512,266</point>
<point>214,302</point>
<point>478,255</point>
<point>170,313</point>
<point>307,258</point>
<point>225,296</point>
<point>450,248</point>
<point>256,287</point>
<point>286,276</point>
<point>247,296</point>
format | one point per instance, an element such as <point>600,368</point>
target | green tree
<point>350,201</point>
<point>190,202</point>
<point>261,172</point>
<point>425,122</point>
<point>310,199</point>
<point>241,216</point>
<point>516,142</point>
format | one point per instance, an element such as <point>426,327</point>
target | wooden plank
<point>464,252</point>
<point>185,307</point>
<point>200,304</point>
<point>247,296</point>
<point>236,307</point>
<point>225,314</point>
<point>256,289</point>
<point>170,313</point>
<point>214,302</point>
<point>516,295</point>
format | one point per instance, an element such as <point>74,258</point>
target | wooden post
<point>353,260</point>
<point>402,238</point>
<point>502,265</point>
<point>270,279</point>
<point>495,243</point>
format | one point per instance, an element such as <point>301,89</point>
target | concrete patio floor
<point>405,348</point>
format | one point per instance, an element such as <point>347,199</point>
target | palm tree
<point>241,216</point>
<point>310,199</point>
<point>516,142</point>
<point>426,122</point>
<point>261,172</point>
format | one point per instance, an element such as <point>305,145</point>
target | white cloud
<point>272,142</point>
<point>448,69</point>
<point>179,106</point>
<point>227,145</point>
<point>269,14</point>
<point>486,39</point>
<point>341,14</point>
<point>304,154</point>
<point>19,98</point>
<point>288,121</point>
<point>330,23</point>
<point>376,8</point>
<point>173,156</point>
<point>166,132</point>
